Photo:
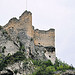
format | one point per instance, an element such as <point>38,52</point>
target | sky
<point>46,14</point>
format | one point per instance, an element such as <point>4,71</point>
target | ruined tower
<point>23,28</point>
<point>26,21</point>
<point>44,38</point>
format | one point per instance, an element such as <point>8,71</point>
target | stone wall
<point>44,38</point>
<point>14,26</point>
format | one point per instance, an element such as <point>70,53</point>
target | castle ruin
<point>40,38</point>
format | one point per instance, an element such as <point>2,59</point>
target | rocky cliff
<point>39,43</point>
<point>21,46</point>
<point>20,35</point>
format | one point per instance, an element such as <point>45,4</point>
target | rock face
<point>6,44</point>
<point>21,68</point>
<point>68,72</point>
<point>34,41</point>
<point>19,34</point>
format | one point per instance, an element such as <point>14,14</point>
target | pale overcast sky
<point>58,14</point>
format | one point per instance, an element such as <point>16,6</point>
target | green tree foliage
<point>59,65</point>
<point>50,68</point>
<point>10,59</point>
<point>3,49</point>
<point>41,67</point>
<point>2,65</point>
<point>18,56</point>
<point>22,48</point>
<point>15,71</point>
<point>41,63</point>
<point>47,68</point>
<point>25,64</point>
<point>4,32</point>
<point>1,27</point>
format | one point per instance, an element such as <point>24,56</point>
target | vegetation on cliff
<point>41,67</point>
<point>10,59</point>
<point>47,68</point>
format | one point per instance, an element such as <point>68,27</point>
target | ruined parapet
<point>26,22</point>
<point>12,22</point>
<point>47,40</point>
<point>11,28</point>
<point>14,26</point>
<point>44,38</point>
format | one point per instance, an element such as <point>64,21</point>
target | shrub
<point>3,49</point>
<point>19,56</point>
<point>50,68</point>
<point>31,39</point>
<point>25,64</point>
<point>45,71</point>
<point>56,63</point>
<point>43,67</point>
<point>59,65</point>
<point>10,59</point>
<point>15,71</point>
<point>1,27</point>
<point>22,48</point>
<point>41,63</point>
<point>48,63</point>
<point>47,68</point>
<point>4,32</point>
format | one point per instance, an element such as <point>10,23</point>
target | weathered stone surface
<point>6,72</point>
<point>6,44</point>
<point>24,67</point>
<point>40,53</point>
<point>19,33</point>
<point>22,30</point>
<point>50,54</point>
<point>10,48</point>
<point>68,72</point>
<point>44,38</point>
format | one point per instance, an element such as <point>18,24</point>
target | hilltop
<point>25,50</point>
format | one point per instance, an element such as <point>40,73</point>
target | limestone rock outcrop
<point>20,35</point>
<point>36,42</point>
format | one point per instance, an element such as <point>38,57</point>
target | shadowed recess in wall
<point>50,49</point>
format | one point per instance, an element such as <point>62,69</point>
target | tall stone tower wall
<point>24,23</point>
<point>44,38</point>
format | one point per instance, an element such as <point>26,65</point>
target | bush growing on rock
<point>47,68</point>
<point>4,32</point>
<point>1,27</point>
<point>10,59</point>
<point>3,49</point>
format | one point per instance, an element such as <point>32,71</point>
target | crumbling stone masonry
<point>39,37</point>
